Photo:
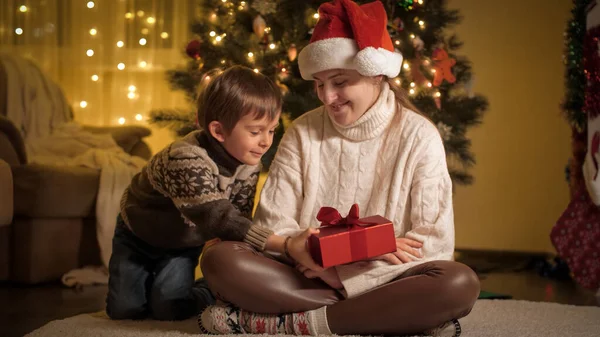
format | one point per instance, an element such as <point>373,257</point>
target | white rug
<point>489,318</point>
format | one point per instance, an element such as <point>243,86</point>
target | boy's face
<point>250,138</point>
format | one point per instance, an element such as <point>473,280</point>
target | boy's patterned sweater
<point>191,192</point>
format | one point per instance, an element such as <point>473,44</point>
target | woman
<point>368,146</point>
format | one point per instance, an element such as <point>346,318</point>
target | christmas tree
<point>266,35</point>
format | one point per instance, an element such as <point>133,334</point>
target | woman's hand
<point>329,276</point>
<point>404,247</point>
<point>298,249</point>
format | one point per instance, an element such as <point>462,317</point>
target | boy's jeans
<point>147,281</point>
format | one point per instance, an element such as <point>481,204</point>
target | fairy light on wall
<point>122,120</point>
<point>90,4</point>
<point>120,44</point>
<point>23,9</point>
<point>19,31</point>
<point>90,52</point>
<point>139,117</point>
<point>95,78</point>
<point>121,66</point>
<point>164,35</point>
<point>93,32</point>
<point>142,42</point>
<point>83,104</point>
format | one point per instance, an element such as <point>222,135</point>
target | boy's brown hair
<point>230,95</point>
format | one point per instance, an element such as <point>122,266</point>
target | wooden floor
<point>26,308</point>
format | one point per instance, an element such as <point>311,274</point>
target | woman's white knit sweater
<point>391,162</point>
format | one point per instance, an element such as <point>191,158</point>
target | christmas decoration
<point>258,25</point>
<point>443,67</point>
<point>292,52</point>
<point>591,64</point>
<point>445,130</point>
<point>265,7</point>
<point>398,24</point>
<point>193,49</point>
<point>407,4</point>
<point>573,58</point>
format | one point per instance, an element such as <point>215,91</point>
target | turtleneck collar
<point>218,154</point>
<point>374,120</point>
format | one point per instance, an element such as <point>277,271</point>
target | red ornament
<point>193,49</point>
<point>443,67</point>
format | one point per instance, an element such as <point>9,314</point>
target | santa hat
<point>349,36</point>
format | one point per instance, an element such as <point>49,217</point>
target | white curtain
<point>143,37</point>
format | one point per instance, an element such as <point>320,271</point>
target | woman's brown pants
<point>424,297</point>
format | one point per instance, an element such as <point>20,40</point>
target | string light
<point>128,15</point>
<point>143,64</point>
<point>122,120</point>
<point>90,4</point>
<point>132,88</point>
<point>429,84</point>
<point>433,71</point>
<point>121,66</point>
<point>120,44</point>
<point>411,91</point>
<point>397,42</point>
<point>18,31</point>
<point>397,81</point>
<point>93,31</point>
<point>256,70</point>
<point>422,24</point>
<point>89,52</point>
<point>142,42</point>
<point>131,95</point>
<point>145,31</point>
<point>151,20</point>
<point>139,117</point>
<point>412,84</point>
<point>316,15</point>
<point>218,39</point>
<point>222,61</point>
<point>140,13</point>
<point>406,66</point>
<point>212,34</point>
<point>250,54</point>
<point>164,35</point>
<point>272,46</point>
<point>83,104</point>
<point>438,94</point>
<point>95,77</point>
<point>23,9</point>
<point>412,36</point>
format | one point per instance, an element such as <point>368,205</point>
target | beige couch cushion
<point>55,191</point>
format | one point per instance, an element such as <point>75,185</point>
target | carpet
<point>494,318</point>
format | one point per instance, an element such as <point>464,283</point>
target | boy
<point>199,188</point>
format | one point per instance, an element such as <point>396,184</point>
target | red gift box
<point>343,240</point>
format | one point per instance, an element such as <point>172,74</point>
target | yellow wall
<point>523,145</point>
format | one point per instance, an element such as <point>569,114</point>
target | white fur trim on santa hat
<point>342,53</point>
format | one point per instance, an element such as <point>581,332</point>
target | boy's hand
<point>298,249</point>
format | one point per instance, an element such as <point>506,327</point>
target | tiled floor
<point>24,309</point>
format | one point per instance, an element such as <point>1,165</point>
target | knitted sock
<point>449,329</point>
<point>227,319</point>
